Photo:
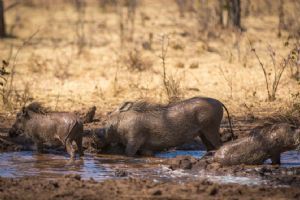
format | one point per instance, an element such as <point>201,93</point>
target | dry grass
<point>135,61</point>
<point>65,80</point>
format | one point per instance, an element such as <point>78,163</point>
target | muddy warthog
<point>42,126</point>
<point>260,145</point>
<point>148,127</point>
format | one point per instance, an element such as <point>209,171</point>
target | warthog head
<point>294,135</point>
<point>112,121</point>
<point>23,116</point>
<point>288,135</point>
<point>18,127</point>
<point>291,137</point>
<point>96,138</point>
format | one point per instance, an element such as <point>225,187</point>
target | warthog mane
<point>143,106</point>
<point>37,108</point>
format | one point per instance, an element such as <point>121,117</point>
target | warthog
<point>260,145</point>
<point>42,126</point>
<point>148,127</point>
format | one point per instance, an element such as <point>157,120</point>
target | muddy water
<point>289,159</point>
<point>28,163</point>
<point>101,167</point>
<point>173,154</point>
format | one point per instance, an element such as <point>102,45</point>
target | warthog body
<point>48,127</point>
<point>147,127</point>
<point>260,145</point>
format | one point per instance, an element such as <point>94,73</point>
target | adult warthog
<point>152,127</point>
<point>48,127</point>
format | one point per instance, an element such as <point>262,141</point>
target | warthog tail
<point>229,120</point>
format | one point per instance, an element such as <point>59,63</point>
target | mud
<point>72,187</point>
<point>274,175</point>
<point>188,177</point>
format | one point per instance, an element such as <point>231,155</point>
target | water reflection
<point>289,159</point>
<point>27,163</point>
<point>101,167</point>
<point>19,164</point>
<point>173,154</point>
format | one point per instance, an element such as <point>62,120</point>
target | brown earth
<point>72,187</point>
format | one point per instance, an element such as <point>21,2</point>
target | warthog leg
<point>210,136</point>
<point>275,158</point>
<point>78,142</point>
<point>39,146</point>
<point>133,145</point>
<point>70,148</point>
<point>208,145</point>
<point>146,152</point>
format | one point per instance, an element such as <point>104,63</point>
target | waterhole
<point>102,167</point>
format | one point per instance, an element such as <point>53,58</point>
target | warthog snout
<point>15,130</point>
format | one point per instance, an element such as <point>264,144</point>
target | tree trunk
<point>232,10</point>
<point>221,12</point>
<point>2,21</point>
<point>281,17</point>
<point>247,8</point>
<point>235,13</point>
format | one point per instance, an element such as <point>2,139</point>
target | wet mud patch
<point>99,167</point>
<point>167,166</point>
<point>103,167</point>
<point>286,174</point>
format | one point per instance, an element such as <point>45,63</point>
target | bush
<point>135,61</point>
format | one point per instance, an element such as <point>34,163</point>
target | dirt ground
<point>74,188</point>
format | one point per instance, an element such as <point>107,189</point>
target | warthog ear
<point>125,106</point>
<point>23,109</point>
<point>25,112</point>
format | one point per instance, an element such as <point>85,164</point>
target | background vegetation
<point>73,54</point>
